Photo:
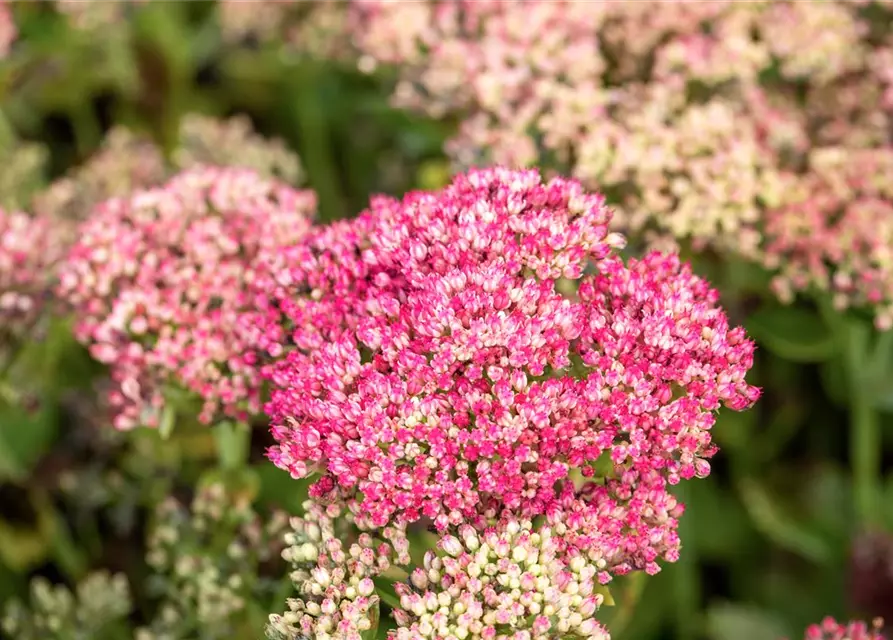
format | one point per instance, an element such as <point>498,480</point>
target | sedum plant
<point>206,564</point>
<point>210,575</point>
<point>96,609</point>
<point>480,360</point>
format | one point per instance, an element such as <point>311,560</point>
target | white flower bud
<point>451,546</point>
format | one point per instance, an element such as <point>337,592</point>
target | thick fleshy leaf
<point>792,333</point>
<point>740,622</point>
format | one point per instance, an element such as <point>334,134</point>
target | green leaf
<point>384,588</point>
<point>718,525</point>
<point>606,592</point>
<point>734,430</point>
<point>792,333</point>
<point>776,524</point>
<point>24,438</point>
<point>888,503</point>
<point>168,420</point>
<point>834,382</point>
<point>233,443</point>
<point>279,489</point>
<point>739,622</point>
<point>69,556</point>
<point>21,549</point>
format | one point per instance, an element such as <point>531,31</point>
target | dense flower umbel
<point>336,597</point>
<point>305,28</point>
<point>510,65</point>
<point>206,564</point>
<point>836,231</point>
<point>123,163</point>
<point>513,582</point>
<point>161,281</point>
<point>830,629</point>
<point>127,161</point>
<point>361,268</point>
<point>28,255</point>
<point>96,608</point>
<point>688,115</point>
<point>476,386</point>
<point>474,585</point>
<point>92,16</point>
<point>233,142</point>
<point>24,164</point>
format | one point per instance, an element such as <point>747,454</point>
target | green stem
<point>628,603</point>
<point>7,133</point>
<point>865,431</point>
<point>685,575</point>
<point>168,421</point>
<point>233,444</point>
<point>865,456</point>
<point>862,370</point>
<point>307,111</point>
<point>87,132</point>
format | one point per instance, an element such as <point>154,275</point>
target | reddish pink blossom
<point>29,252</point>
<point>495,346</point>
<point>162,282</point>
<point>8,30</point>
<point>830,629</point>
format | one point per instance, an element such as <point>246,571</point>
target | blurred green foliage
<point>769,538</point>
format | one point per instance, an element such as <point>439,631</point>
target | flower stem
<point>865,432</point>
<point>865,456</point>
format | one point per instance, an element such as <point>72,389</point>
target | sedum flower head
<point>834,232</point>
<point>123,163</point>
<point>93,611</point>
<point>509,66</point>
<point>830,629</point>
<point>511,582</point>
<point>333,576</point>
<point>233,143</point>
<point>205,563</point>
<point>161,281</point>
<point>92,16</point>
<point>29,253</point>
<point>23,173</point>
<point>499,347</point>
<point>316,29</point>
<point>687,115</point>
<point>473,584</point>
<point>127,161</point>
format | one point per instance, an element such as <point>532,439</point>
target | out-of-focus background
<point>99,97</point>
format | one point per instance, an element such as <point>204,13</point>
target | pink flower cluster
<point>494,348</point>
<point>8,30</point>
<point>835,232</point>
<point>28,254</point>
<point>162,280</point>
<point>699,120</point>
<point>830,629</point>
<point>305,28</point>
